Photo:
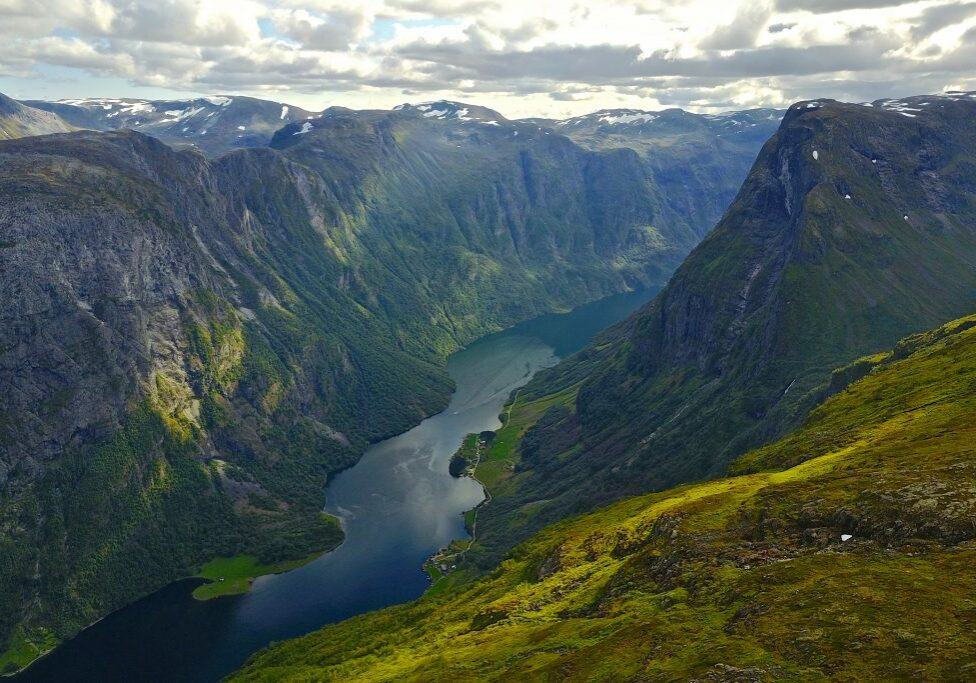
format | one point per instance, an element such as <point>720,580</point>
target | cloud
<point>336,30</point>
<point>828,6</point>
<point>742,31</point>
<point>518,56</point>
<point>934,19</point>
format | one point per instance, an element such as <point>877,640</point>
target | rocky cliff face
<point>855,227</point>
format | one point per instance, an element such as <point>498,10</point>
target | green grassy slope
<point>842,552</point>
<point>856,227</point>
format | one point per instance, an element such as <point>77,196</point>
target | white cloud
<point>521,56</point>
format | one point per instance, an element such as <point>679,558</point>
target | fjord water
<point>398,505</point>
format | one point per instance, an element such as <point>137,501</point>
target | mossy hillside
<point>746,576</point>
<point>795,281</point>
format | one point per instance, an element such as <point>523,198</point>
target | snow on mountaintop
<point>667,121</point>
<point>453,111</point>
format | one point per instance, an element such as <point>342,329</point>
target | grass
<point>233,575</point>
<point>742,578</point>
<point>24,647</point>
<point>500,458</point>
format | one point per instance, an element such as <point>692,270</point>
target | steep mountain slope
<point>212,124</point>
<point>853,564</point>
<point>681,150</point>
<point>422,183</point>
<point>675,194</point>
<point>18,120</point>
<point>856,226</point>
<point>172,391</point>
<point>191,346</point>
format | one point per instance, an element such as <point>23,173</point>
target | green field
<point>233,575</point>
<point>24,648</point>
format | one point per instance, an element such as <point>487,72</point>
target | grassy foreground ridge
<point>843,551</point>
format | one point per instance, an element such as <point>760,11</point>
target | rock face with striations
<point>855,227</point>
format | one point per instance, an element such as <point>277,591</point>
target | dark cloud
<point>779,28</point>
<point>443,8</point>
<point>331,32</point>
<point>941,16</point>
<point>742,31</point>
<point>827,6</point>
<point>612,63</point>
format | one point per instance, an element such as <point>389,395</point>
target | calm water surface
<point>399,505</point>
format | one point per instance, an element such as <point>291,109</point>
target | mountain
<point>680,149</point>
<point>842,552</point>
<point>663,128</point>
<point>212,124</point>
<point>18,120</point>
<point>446,110</point>
<point>189,346</point>
<point>856,226</point>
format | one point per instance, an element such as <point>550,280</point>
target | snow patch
<point>846,537</point>
<point>242,128</point>
<point>219,101</point>
<point>284,111</point>
<point>816,155</point>
<point>641,117</point>
<point>182,114</point>
<point>306,127</point>
<point>847,196</point>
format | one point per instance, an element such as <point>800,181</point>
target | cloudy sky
<point>523,57</point>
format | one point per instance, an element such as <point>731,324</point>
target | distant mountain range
<point>212,124</point>
<point>218,124</point>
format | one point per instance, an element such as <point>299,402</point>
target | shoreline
<point>470,471</point>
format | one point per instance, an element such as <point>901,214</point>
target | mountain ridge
<point>20,120</point>
<point>853,229</point>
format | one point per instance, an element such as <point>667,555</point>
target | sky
<point>521,57</point>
